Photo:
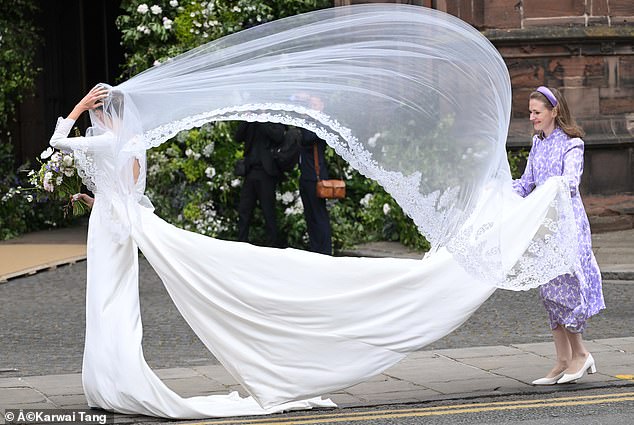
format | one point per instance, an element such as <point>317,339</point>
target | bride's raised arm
<point>60,140</point>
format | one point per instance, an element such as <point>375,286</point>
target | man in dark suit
<point>261,176</point>
<point>315,211</point>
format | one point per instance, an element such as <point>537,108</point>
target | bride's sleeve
<point>61,141</point>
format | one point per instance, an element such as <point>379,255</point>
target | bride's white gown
<point>289,325</point>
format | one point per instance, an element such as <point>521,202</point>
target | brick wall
<point>499,14</point>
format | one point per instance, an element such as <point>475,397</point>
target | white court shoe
<point>548,381</point>
<point>587,366</point>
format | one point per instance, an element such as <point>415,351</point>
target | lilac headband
<point>549,95</point>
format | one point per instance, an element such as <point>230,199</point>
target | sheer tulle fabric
<point>412,98</point>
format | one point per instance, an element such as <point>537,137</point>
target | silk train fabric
<point>412,98</point>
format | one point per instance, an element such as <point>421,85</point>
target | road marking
<point>432,411</point>
<point>626,377</point>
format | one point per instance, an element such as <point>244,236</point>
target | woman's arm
<point>60,139</point>
<point>92,100</point>
<point>573,165</point>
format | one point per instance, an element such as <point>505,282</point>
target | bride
<point>413,98</point>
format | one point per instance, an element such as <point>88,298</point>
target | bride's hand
<point>92,100</point>
<point>83,198</point>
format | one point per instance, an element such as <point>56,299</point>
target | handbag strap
<point>316,155</point>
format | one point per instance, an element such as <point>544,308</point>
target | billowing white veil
<point>413,98</point>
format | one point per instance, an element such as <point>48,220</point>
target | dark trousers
<point>258,186</point>
<point>317,218</point>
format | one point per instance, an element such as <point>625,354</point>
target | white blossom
<point>48,186</point>
<point>67,160</point>
<point>210,172</point>
<point>292,210</point>
<point>167,23</point>
<point>47,153</point>
<point>208,149</point>
<point>348,172</point>
<point>142,9</point>
<point>365,201</point>
<point>153,169</point>
<point>296,208</point>
<point>173,3</point>
<point>386,209</point>
<point>156,9</point>
<point>235,182</point>
<point>287,197</point>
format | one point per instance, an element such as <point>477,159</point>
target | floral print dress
<point>569,299</point>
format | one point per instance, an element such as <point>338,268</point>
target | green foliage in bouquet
<point>22,210</point>
<point>57,180</point>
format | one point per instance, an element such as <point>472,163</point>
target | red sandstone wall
<point>499,14</point>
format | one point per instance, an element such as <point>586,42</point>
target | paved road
<point>42,322</point>
<point>613,406</point>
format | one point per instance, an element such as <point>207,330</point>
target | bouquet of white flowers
<point>58,179</point>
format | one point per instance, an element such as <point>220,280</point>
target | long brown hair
<point>564,119</point>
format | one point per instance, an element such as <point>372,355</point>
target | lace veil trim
<point>550,253</point>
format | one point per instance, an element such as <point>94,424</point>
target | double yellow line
<point>431,411</point>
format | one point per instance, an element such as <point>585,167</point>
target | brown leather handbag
<point>328,189</point>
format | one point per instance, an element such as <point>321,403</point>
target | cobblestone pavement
<point>42,322</point>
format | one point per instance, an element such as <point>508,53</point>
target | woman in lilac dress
<point>569,299</point>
